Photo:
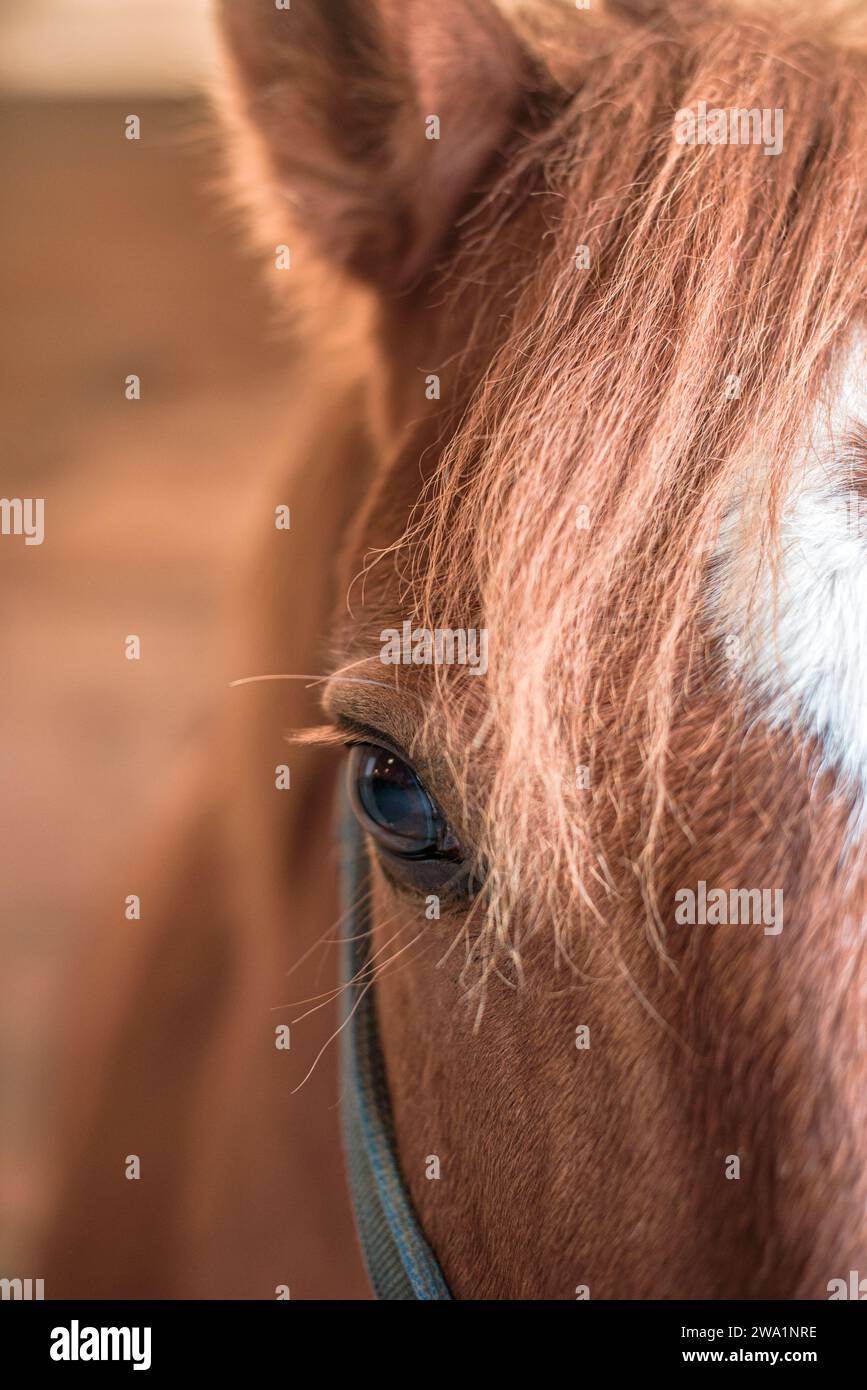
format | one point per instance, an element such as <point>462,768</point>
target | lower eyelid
<point>413,885</point>
<point>431,877</point>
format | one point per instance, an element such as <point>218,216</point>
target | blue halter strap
<point>400,1263</point>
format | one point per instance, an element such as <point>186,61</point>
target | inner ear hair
<point>375,119</point>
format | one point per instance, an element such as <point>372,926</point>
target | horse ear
<point>375,117</point>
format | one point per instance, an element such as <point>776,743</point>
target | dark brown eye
<point>414,839</point>
<point>394,807</point>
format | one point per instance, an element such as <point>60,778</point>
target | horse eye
<point>413,837</point>
<point>394,807</point>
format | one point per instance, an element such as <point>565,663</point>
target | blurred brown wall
<point>116,257</point>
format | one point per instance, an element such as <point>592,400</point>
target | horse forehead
<point>796,630</point>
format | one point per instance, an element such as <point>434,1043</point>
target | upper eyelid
<point>366,733</point>
<point>350,703</point>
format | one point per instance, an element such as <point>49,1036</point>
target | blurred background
<point>116,257</point>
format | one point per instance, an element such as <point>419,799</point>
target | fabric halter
<point>400,1263</point>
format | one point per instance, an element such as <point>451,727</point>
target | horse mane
<point>606,402</point>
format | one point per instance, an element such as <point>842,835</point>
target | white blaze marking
<point>803,636</point>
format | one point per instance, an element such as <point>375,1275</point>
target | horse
<point>583,288</point>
